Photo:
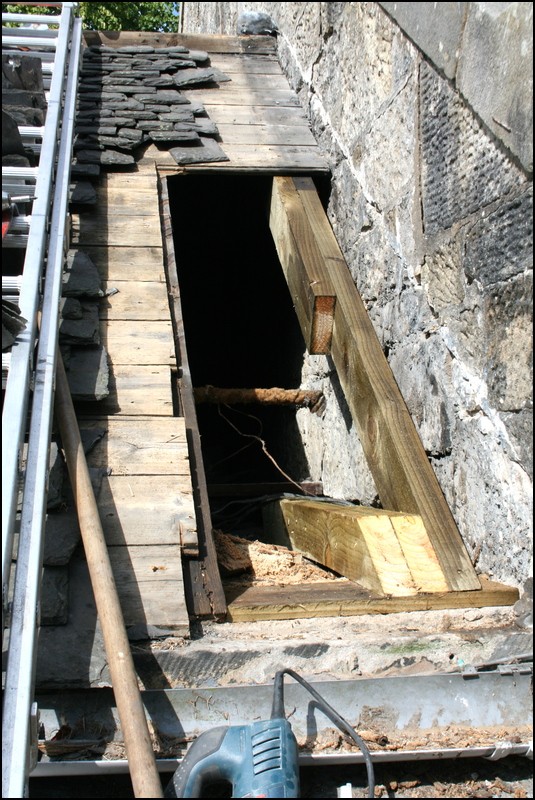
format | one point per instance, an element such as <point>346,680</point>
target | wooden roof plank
<point>150,585</point>
<point>342,599</point>
<point>211,43</point>
<point>141,446</point>
<point>128,303</point>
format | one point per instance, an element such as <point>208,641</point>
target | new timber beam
<point>306,271</point>
<point>401,470</point>
<point>387,552</point>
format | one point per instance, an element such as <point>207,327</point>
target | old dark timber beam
<point>401,470</point>
<point>306,398</point>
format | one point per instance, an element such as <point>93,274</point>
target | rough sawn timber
<point>401,470</point>
<point>385,551</point>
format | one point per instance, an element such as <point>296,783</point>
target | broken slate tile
<point>88,373</point>
<point>134,89</point>
<point>123,121</point>
<point>198,55</point>
<point>84,331</point>
<point>24,115</point>
<point>56,477</point>
<point>21,72</point>
<point>62,530</point>
<point>182,114</point>
<point>162,96</point>
<point>161,81</point>
<point>186,135</point>
<point>208,151</point>
<point>155,125</point>
<point>71,308</point>
<point>84,170</point>
<point>62,535</point>
<point>82,193</point>
<point>132,104</point>
<point>194,77</point>
<point>121,143</point>
<point>96,130</point>
<point>104,158</point>
<point>80,276</point>
<point>206,127</point>
<point>55,596</point>
<point>133,134</point>
<point>91,437</point>
<point>220,76</point>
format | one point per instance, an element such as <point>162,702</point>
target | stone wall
<point>433,211</point>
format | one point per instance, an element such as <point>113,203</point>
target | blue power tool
<point>257,760</point>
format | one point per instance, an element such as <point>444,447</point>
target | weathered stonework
<point>432,208</point>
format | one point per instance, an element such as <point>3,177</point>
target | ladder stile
<point>28,379</point>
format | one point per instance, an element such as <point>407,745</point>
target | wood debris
<point>266,564</point>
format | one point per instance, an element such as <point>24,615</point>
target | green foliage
<point>115,16</point>
<point>130,16</point>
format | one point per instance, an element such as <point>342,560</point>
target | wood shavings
<point>265,564</point>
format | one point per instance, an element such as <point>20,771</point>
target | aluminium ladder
<point>28,371</point>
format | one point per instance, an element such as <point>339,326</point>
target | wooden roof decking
<point>146,501</point>
<point>262,125</point>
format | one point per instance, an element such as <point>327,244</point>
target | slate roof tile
<point>129,97</point>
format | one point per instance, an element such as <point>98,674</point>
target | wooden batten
<point>397,460</point>
<point>304,267</point>
<point>387,552</point>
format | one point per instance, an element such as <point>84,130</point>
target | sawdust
<point>330,741</point>
<point>446,737</point>
<point>265,564</point>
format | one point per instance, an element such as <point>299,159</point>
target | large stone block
<point>509,334</point>
<point>437,28</point>
<point>463,170</point>
<point>496,71</point>
<point>499,247</point>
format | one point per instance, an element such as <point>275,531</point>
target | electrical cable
<point>277,711</point>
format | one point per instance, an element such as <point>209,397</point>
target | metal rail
<point>31,371</point>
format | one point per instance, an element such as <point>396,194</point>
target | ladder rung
<point>30,33</point>
<point>15,240</point>
<point>28,173</point>
<point>16,189</point>
<point>22,41</point>
<point>30,131</point>
<point>12,284</point>
<point>20,224</point>
<point>33,19</point>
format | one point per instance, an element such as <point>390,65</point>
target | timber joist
<point>315,268</point>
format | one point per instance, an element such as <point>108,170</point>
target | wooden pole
<point>141,760</point>
<point>308,398</point>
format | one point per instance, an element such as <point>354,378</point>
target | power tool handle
<point>189,776</point>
